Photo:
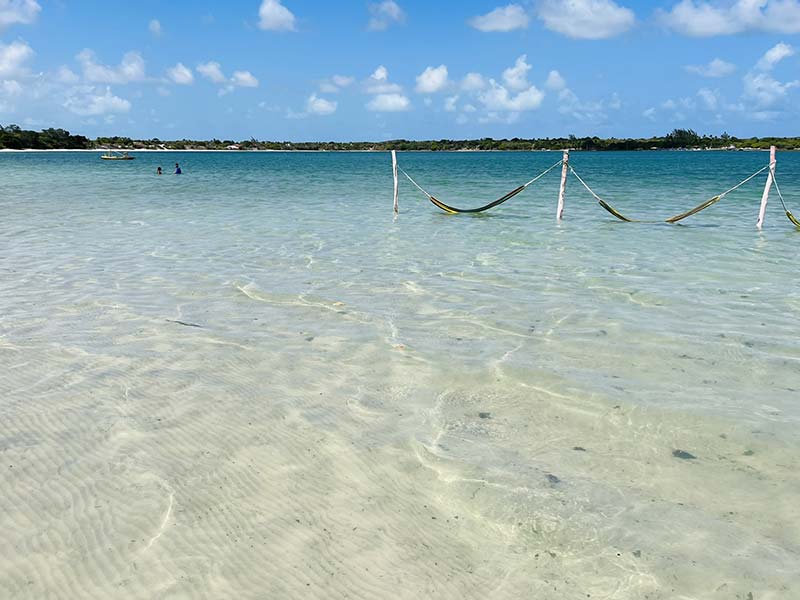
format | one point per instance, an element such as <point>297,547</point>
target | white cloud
<point>497,98</point>
<point>473,82</point>
<point>13,57</point>
<point>716,68</point>
<point>238,79</point>
<point>320,106</point>
<point>274,16</point>
<point>782,16</point>
<point>389,103</point>
<point>499,117</point>
<point>650,113</point>
<point>244,79</point>
<point>709,98</point>
<point>591,111</point>
<point>342,80</point>
<point>700,20</point>
<point>775,55</point>
<point>384,14</point>
<point>378,83</point>
<point>705,19</point>
<point>155,27</point>
<point>130,69</point>
<point>432,80</point>
<point>380,74</point>
<point>502,102</point>
<point>10,87</point>
<point>503,18</point>
<point>555,81</point>
<point>87,102</point>
<point>66,75</point>
<point>680,103</point>
<point>181,74</point>
<point>764,90</point>
<point>211,71</point>
<point>290,114</point>
<point>18,11</point>
<point>516,77</point>
<point>335,84</point>
<point>761,90</point>
<point>586,19</point>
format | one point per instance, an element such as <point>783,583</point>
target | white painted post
<point>396,182</point>
<point>563,188</point>
<point>765,195</point>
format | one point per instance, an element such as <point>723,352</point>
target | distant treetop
<point>11,136</point>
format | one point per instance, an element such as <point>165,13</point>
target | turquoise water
<point>254,380</point>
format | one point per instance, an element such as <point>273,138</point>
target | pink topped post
<point>563,187</point>
<point>765,195</point>
<point>396,182</point>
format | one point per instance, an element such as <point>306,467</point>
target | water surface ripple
<point>253,381</point>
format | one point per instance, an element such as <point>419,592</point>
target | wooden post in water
<point>765,195</point>
<point>396,182</point>
<point>562,190</point>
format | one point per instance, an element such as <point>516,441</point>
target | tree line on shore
<point>13,137</point>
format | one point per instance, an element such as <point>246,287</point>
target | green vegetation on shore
<point>13,137</point>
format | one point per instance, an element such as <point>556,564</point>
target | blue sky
<point>314,70</point>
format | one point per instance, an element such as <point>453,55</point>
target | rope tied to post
<point>791,217</point>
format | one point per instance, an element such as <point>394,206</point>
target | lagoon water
<point>252,381</point>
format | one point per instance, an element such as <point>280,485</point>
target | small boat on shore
<point>109,155</point>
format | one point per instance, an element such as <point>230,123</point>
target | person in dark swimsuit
<point>158,171</point>
<point>178,169</point>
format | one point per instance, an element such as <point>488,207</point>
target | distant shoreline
<point>14,138</point>
<point>287,151</point>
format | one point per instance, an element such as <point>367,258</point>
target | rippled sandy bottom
<point>206,392</point>
<point>186,461</point>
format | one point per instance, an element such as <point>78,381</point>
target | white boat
<point>111,155</point>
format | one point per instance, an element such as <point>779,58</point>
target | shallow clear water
<point>253,381</point>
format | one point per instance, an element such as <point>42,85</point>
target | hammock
<point>452,210</point>
<point>683,215</point>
